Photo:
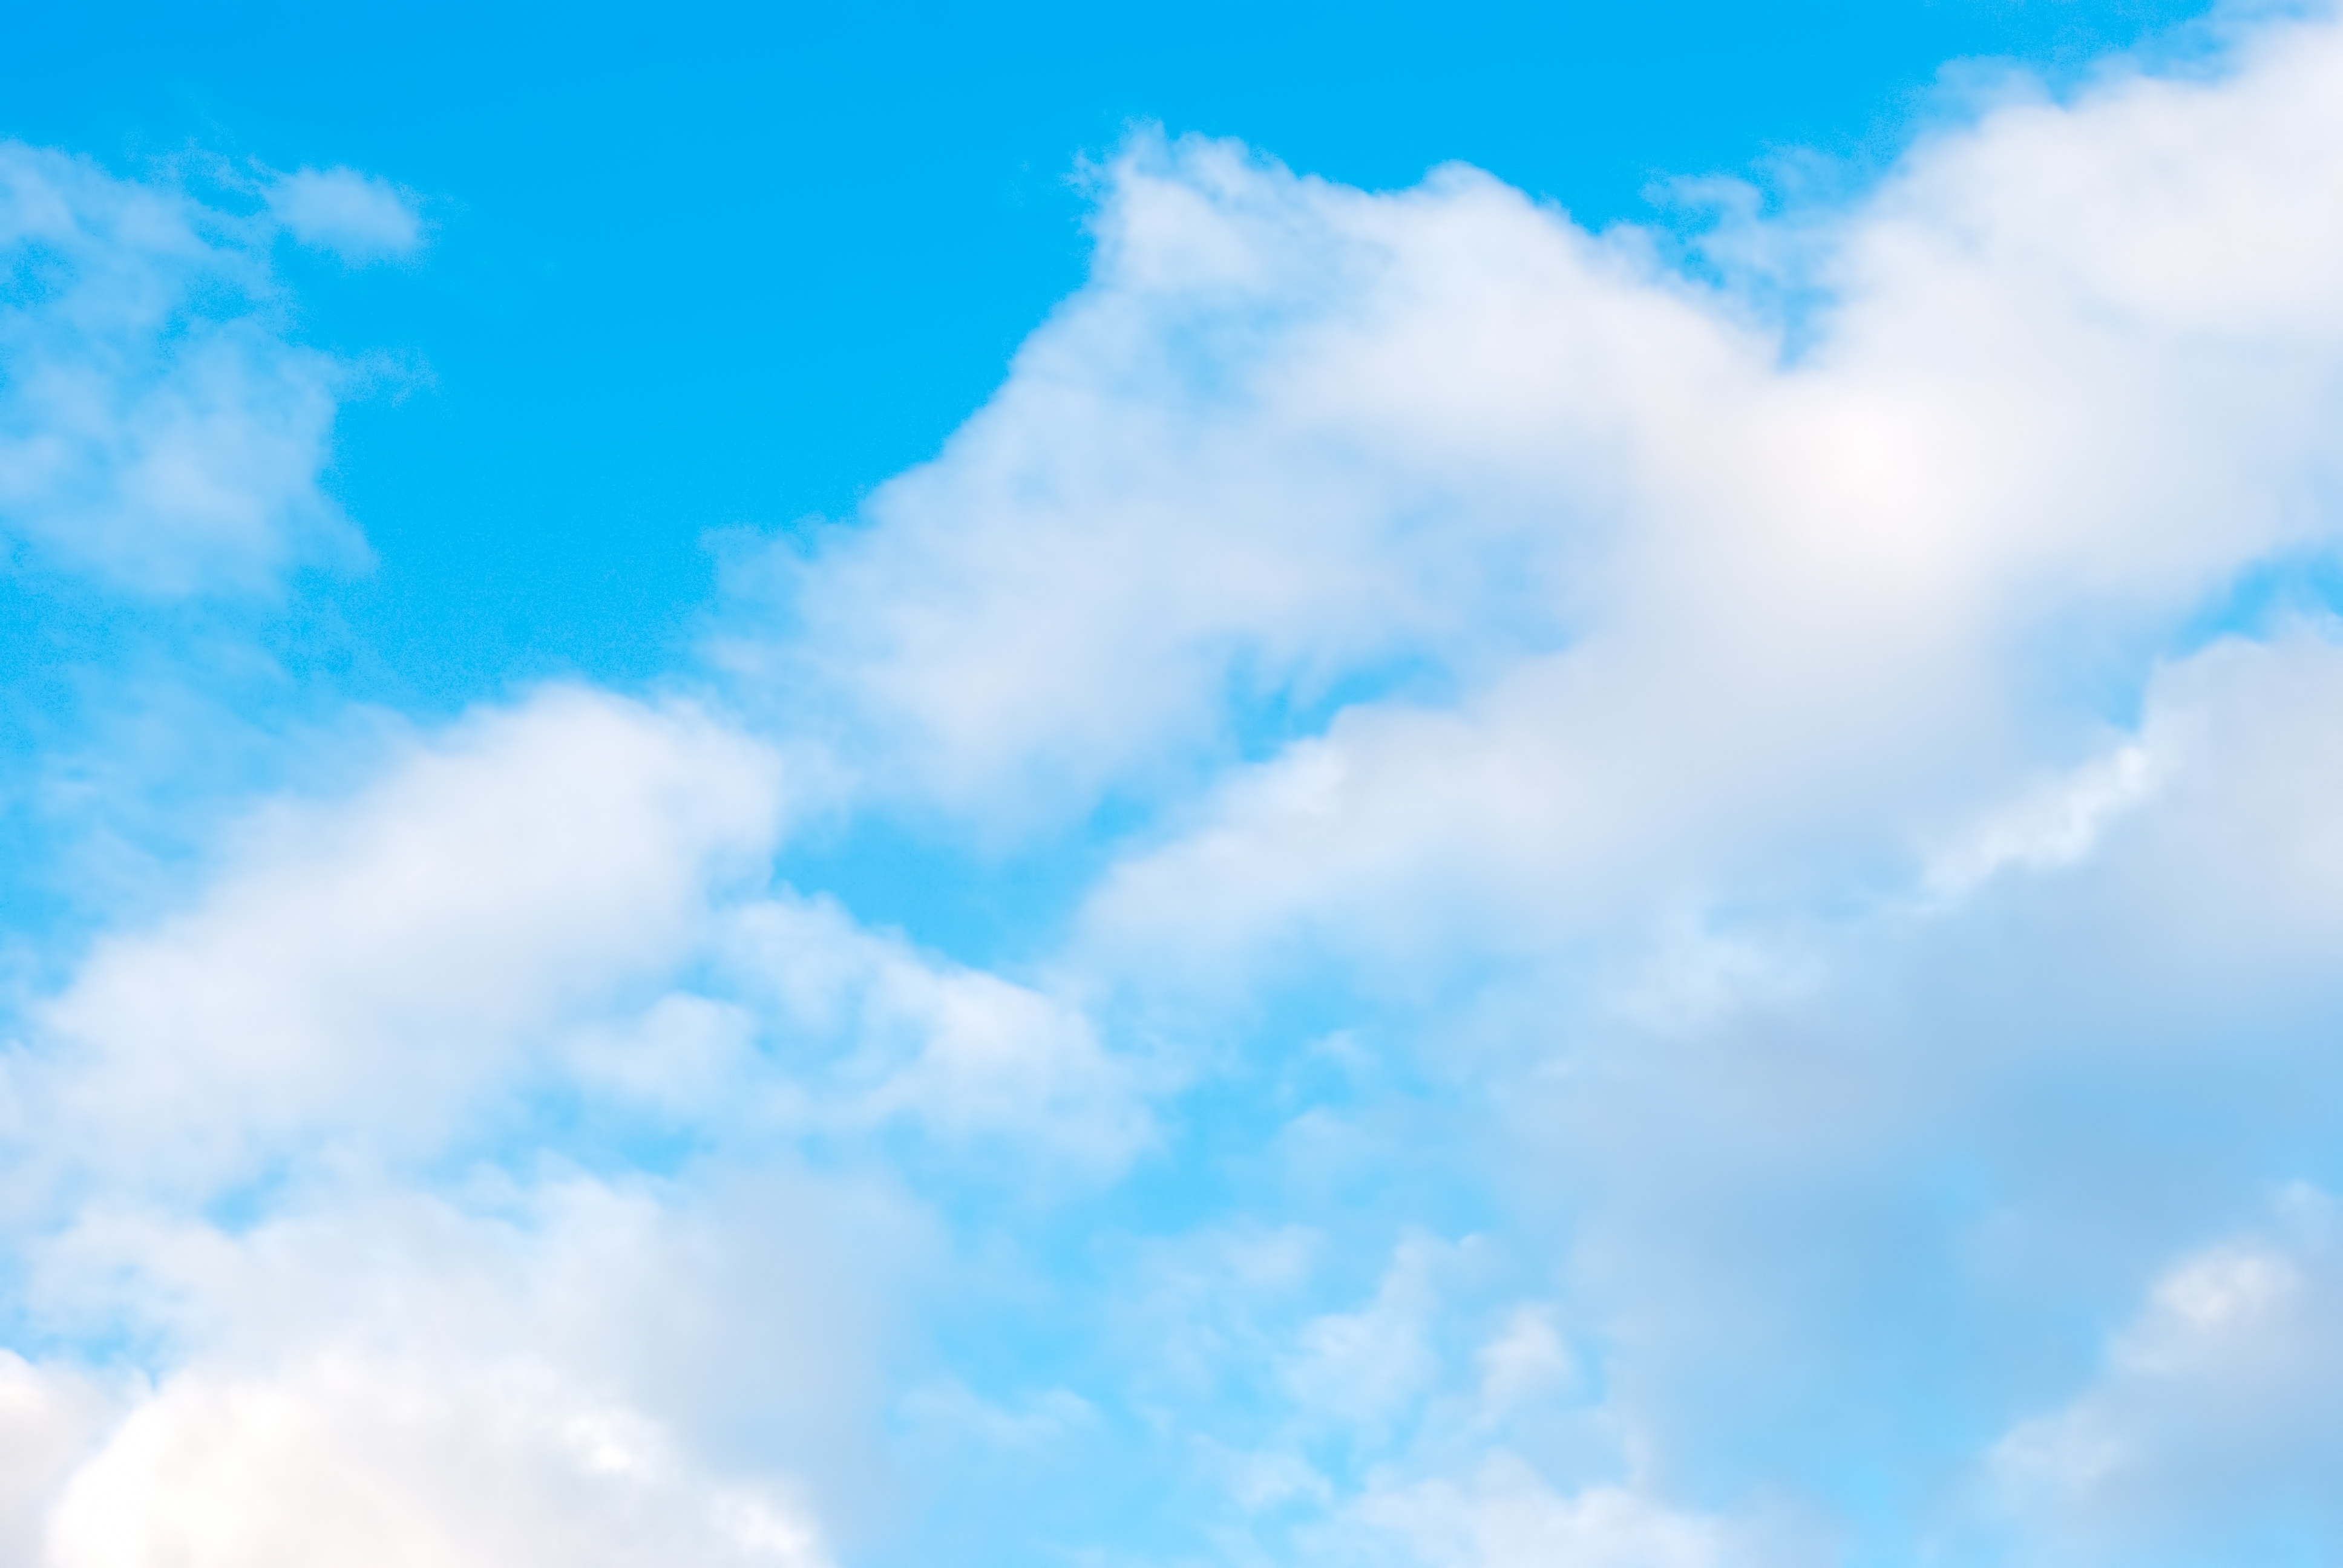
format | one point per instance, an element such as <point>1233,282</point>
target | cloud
<point>159,432</point>
<point>1832,581</point>
<point>367,968</point>
<point>357,216</point>
<point>566,1373</point>
<point>399,1466</point>
<point>1613,595</point>
<point>806,1025</point>
<point>49,1418</point>
<point>1789,774</point>
<point>876,1032</point>
<point>1165,501</point>
<point>2211,1419</point>
<point>219,1126</point>
<point>1695,893</point>
<point>1507,1518</point>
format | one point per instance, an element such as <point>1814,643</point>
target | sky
<point>1325,788</point>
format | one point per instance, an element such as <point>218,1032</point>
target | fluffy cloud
<point>363,969</point>
<point>569,1373</point>
<point>159,430</point>
<point>877,1032</point>
<point>402,1465</point>
<point>1782,766</point>
<point>1664,595</point>
<point>473,957</point>
<point>1851,587</point>
<point>1715,883</point>
<point>49,1418</point>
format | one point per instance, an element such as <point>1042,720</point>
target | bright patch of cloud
<point>403,1467</point>
<point>49,1418</point>
<point>364,970</point>
<point>386,1380</point>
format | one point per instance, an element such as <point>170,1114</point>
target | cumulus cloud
<point>1657,599</point>
<point>1708,889</point>
<point>398,1465</point>
<point>1508,1518</point>
<point>535,1365</point>
<point>574,1373</point>
<point>363,968</point>
<point>158,429</point>
<point>1800,741</point>
<point>50,1417</point>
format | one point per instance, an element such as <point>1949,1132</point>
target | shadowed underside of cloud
<point>1726,957</point>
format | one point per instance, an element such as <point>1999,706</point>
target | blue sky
<point>1346,787</point>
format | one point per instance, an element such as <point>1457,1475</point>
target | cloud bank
<point>1713,935</point>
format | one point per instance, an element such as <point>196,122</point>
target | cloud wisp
<point>357,216</point>
<point>159,431</point>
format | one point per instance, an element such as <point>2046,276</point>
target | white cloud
<point>50,1417</point>
<point>809,1026</point>
<point>158,431</point>
<point>872,1032</point>
<point>534,1365</point>
<point>1669,614</point>
<point>503,913</point>
<point>568,1372</point>
<point>366,969</point>
<point>357,216</point>
<point>398,1466</point>
<point>1168,495</point>
<point>1370,1367</point>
